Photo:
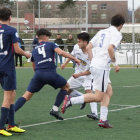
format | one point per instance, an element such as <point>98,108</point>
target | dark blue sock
<point>19,103</point>
<point>60,97</point>
<point>4,116</point>
<point>11,115</point>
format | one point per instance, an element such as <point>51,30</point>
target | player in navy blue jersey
<point>8,46</point>
<point>45,72</point>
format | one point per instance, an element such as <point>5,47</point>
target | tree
<point>6,3</point>
<point>70,15</point>
<point>66,4</point>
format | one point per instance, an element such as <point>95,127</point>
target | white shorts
<point>100,79</point>
<point>76,83</point>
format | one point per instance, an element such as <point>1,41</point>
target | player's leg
<point>59,82</point>
<point>22,100</point>
<point>104,108</point>
<point>93,106</point>
<point>20,59</point>
<point>35,85</point>
<point>60,58</point>
<point>100,85</point>
<point>16,59</point>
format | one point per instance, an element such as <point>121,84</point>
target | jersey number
<point>102,40</point>
<point>1,41</point>
<point>42,51</point>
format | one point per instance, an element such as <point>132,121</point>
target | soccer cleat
<point>66,104</point>
<point>5,133</point>
<point>93,116</point>
<point>104,124</point>
<point>15,129</point>
<point>82,106</point>
<point>56,114</point>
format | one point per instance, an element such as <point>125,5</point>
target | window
<point>77,6</point>
<point>94,15</point>
<point>84,6</point>
<point>94,6</point>
<point>103,16</point>
<point>48,6</point>
<point>56,6</point>
<point>103,6</point>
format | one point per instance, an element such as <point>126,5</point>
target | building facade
<point>99,11</point>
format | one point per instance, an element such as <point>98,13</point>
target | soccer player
<point>45,72</point>
<point>82,76</point>
<point>8,46</point>
<point>105,43</point>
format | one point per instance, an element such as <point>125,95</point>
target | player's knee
<point>66,87</point>
<point>28,95</point>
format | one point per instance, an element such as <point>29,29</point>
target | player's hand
<point>116,68</point>
<point>63,66</point>
<point>27,55</point>
<point>77,61</point>
<point>75,75</point>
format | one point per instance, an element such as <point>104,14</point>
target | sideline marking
<point>77,117</point>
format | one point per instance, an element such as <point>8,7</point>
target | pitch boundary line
<point>76,117</point>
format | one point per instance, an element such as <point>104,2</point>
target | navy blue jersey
<point>8,36</point>
<point>43,56</point>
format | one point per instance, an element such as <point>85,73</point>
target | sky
<point>136,4</point>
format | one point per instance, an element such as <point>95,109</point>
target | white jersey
<point>101,41</point>
<point>84,60</point>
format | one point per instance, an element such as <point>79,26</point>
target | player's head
<point>83,39</point>
<point>118,21</point>
<point>5,14</point>
<point>58,36</point>
<point>43,34</point>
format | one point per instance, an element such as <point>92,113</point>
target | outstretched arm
<point>20,51</point>
<point>65,54</point>
<point>76,75</point>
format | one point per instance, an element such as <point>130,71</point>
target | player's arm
<point>64,65</point>
<point>76,75</point>
<point>112,57</point>
<point>20,51</point>
<point>65,54</point>
<point>89,51</point>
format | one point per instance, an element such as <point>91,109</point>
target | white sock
<point>77,100</point>
<point>93,106</point>
<point>75,93</point>
<point>103,113</point>
<point>55,108</point>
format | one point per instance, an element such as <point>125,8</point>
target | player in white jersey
<point>82,76</point>
<point>104,42</point>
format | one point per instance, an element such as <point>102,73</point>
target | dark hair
<point>58,34</point>
<point>117,20</point>
<point>43,31</point>
<point>5,13</point>
<point>84,36</point>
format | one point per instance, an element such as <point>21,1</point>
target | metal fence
<point>124,53</point>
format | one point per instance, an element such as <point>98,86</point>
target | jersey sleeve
<point>54,45</point>
<point>14,36</point>
<point>115,40</point>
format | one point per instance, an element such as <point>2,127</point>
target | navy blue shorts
<point>42,78</point>
<point>8,80</point>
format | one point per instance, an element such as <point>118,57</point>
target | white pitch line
<point>127,86</point>
<point>121,105</point>
<point>77,117</point>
